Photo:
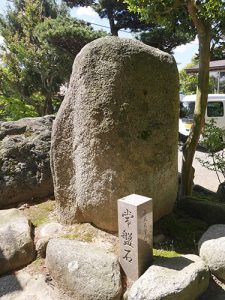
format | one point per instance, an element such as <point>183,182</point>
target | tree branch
<point>193,10</point>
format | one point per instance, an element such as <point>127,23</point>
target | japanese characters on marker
<point>126,235</point>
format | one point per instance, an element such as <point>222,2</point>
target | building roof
<point>217,65</point>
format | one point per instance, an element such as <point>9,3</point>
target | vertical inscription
<point>145,225</point>
<point>127,235</point>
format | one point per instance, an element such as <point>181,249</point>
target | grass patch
<point>37,263</point>
<point>164,253</point>
<point>39,213</point>
<point>36,267</point>
<point>183,232</point>
<point>70,236</point>
<point>86,237</point>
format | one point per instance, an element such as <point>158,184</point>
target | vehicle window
<point>187,109</point>
<point>215,109</point>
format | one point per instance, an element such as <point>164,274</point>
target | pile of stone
<point>86,270</point>
<point>81,270</point>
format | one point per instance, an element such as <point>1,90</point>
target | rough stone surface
<point>179,278</point>
<point>16,246</point>
<point>82,232</point>
<point>84,271</point>
<point>212,249</point>
<point>24,160</point>
<point>44,233</point>
<point>50,229</point>
<point>116,132</point>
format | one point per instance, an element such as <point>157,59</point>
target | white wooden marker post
<point>135,217</point>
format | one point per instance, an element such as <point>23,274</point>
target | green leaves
<point>164,38</point>
<point>29,66</point>
<point>188,82</point>
<point>163,12</point>
<point>14,109</point>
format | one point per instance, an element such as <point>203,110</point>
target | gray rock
<point>84,271</point>
<point>16,247</point>
<point>179,278</point>
<point>212,249</point>
<point>82,232</point>
<point>24,160</point>
<point>44,233</point>
<point>50,229</point>
<point>116,132</point>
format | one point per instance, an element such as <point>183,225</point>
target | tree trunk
<point>113,28</point>
<point>48,107</point>
<point>187,176</point>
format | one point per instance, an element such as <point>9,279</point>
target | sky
<point>183,54</point>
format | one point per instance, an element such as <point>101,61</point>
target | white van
<point>215,110</point>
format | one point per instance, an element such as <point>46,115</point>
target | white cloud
<point>185,48</point>
<point>184,53</point>
<point>85,12</point>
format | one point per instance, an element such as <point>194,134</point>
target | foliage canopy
<point>33,68</point>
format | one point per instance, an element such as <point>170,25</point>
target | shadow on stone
<point>176,263</point>
<point>202,190</point>
<point>214,292</point>
<point>8,283</point>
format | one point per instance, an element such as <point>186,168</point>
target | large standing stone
<point>16,244</point>
<point>212,249</point>
<point>116,132</point>
<point>24,160</point>
<point>84,271</point>
<point>179,278</point>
